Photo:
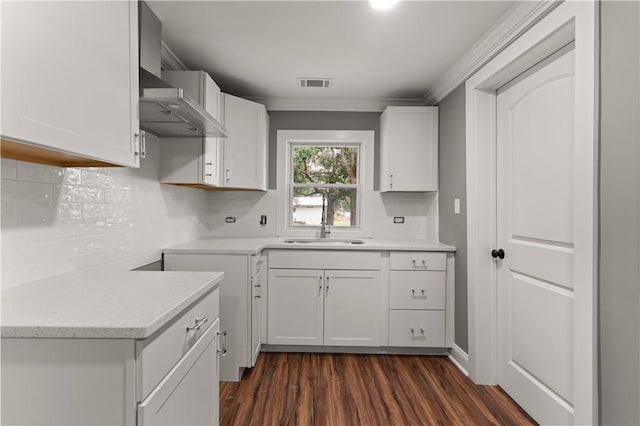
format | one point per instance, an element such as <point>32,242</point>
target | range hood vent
<point>171,112</point>
<point>165,110</point>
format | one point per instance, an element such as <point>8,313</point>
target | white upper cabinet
<point>236,162</point>
<point>409,149</point>
<point>194,161</point>
<point>245,150</point>
<point>70,82</point>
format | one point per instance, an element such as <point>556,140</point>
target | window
<point>324,172</point>
<point>324,179</point>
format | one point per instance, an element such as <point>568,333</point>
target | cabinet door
<point>70,77</point>
<point>295,305</point>
<point>245,148</point>
<point>212,161</point>
<point>410,149</point>
<point>352,308</point>
<point>188,395</point>
<point>212,146</point>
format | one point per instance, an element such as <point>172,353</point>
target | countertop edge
<point>259,246</point>
<point>111,332</point>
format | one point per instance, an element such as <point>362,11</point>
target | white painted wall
<point>57,220</point>
<point>420,211</point>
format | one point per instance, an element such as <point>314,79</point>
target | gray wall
<point>453,227</point>
<point>319,120</point>
<point>619,214</point>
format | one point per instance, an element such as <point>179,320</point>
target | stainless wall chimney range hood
<point>166,110</point>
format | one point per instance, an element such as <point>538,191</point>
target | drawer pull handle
<point>197,323</point>
<point>257,285</point>
<point>223,350</point>
<point>257,296</point>
<point>424,263</point>
<point>413,292</point>
<point>414,331</point>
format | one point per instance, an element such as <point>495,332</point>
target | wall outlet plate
<point>398,219</point>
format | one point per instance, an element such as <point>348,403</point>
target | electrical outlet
<point>398,219</point>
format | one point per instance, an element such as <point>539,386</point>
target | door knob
<point>497,253</point>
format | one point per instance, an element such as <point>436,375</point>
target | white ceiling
<point>257,49</point>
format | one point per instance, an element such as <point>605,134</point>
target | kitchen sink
<point>328,241</point>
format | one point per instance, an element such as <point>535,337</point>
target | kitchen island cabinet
<point>122,349</point>
<point>70,83</point>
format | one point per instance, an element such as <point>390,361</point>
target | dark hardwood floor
<point>371,390</point>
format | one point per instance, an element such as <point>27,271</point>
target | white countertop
<point>255,245</point>
<point>121,305</point>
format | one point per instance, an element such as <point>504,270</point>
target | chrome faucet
<point>325,230</point>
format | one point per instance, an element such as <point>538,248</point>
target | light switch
<point>456,205</point>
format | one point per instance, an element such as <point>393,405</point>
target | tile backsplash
<point>57,220</point>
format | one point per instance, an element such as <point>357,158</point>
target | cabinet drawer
<point>418,261</point>
<point>416,328</point>
<point>417,290</point>
<point>160,352</point>
<point>324,259</point>
<point>186,395</point>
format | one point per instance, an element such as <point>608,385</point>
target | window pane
<point>340,203</point>
<point>325,164</point>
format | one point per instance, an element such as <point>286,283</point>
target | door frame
<point>568,22</point>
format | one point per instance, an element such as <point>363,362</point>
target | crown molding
<point>345,105</point>
<point>516,21</point>
<point>170,60</point>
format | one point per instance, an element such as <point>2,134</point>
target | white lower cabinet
<point>330,307</point>
<point>421,299</point>
<point>240,316</point>
<point>183,396</point>
<point>421,328</point>
<point>318,307</point>
<point>296,302</point>
<point>169,378</point>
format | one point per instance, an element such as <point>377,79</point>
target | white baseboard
<point>460,358</point>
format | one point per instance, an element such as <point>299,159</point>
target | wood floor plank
<point>308,389</point>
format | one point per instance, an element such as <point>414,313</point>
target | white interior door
<point>535,227</point>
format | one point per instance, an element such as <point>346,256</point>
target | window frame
<point>363,140</point>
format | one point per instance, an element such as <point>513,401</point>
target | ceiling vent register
<point>315,82</point>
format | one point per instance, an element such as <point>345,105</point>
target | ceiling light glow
<point>383,4</point>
